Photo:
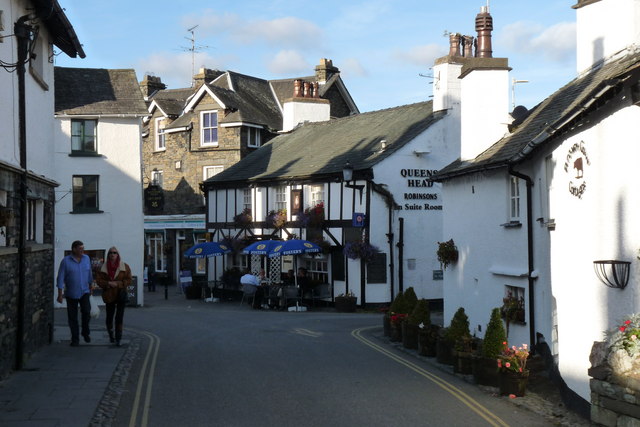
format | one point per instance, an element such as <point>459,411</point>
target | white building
<point>550,198</point>
<point>98,165</point>
<point>29,33</point>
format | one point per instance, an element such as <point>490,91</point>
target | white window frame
<point>157,177</point>
<point>318,269</point>
<point>514,198</point>
<point>213,113</point>
<point>254,137</point>
<point>280,197</point>
<point>161,138</point>
<point>156,247</point>
<point>316,194</point>
<point>247,202</point>
<point>209,171</point>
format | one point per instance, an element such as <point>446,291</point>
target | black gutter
<point>530,278</point>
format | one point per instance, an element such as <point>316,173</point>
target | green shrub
<point>410,299</point>
<point>398,305</point>
<point>420,314</point>
<point>459,328</point>
<point>494,336</point>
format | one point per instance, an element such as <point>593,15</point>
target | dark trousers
<point>117,309</point>
<point>72,316</point>
<point>151,282</point>
<point>258,296</point>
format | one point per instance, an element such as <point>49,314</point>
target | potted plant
<point>512,310</point>
<point>345,303</point>
<point>447,253</point>
<point>276,219</point>
<point>418,316</point>
<point>463,344</point>
<point>454,338</point>
<point>484,364</point>
<point>243,219</point>
<point>397,312</point>
<point>514,375</point>
<point>360,250</point>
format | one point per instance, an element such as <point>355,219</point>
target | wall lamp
<point>347,176</point>
<point>614,274</point>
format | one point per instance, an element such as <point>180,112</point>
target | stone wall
<point>39,281</point>
<point>615,398</point>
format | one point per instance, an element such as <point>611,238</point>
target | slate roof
<point>62,33</point>
<point>97,91</point>
<point>544,120</point>
<point>320,150</point>
<point>172,101</point>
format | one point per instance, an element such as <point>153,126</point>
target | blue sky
<point>383,48</point>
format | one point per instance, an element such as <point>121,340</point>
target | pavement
<point>81,386</point>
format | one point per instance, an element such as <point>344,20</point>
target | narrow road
<point>224,364</point>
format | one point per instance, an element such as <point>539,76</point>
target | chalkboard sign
<point>438,275</point>
<point>132,291</point>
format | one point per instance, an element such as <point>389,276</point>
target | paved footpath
<point>63,385</point>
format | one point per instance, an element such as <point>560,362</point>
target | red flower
<point>627,322</point>
<point>622,328</point>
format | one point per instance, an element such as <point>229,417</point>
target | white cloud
<point>289,62</point>
<point>351,67</point>
<point>283,32</point>
<point>556,43</point>
<point>423,55</point>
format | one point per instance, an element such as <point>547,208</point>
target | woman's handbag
<point>123,296</point>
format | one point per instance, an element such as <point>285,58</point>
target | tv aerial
<point>194,48</point>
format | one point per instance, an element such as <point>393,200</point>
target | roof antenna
<point>193,49</point>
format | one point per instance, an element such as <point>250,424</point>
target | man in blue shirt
<point>75,277</point>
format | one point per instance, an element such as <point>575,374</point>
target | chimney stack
<point>150,85</point>
<point>484,26</point>
<point>205,75</point>
<point>325,70</point>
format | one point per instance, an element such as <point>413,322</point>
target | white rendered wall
<point>604,28</point>
<point>121,223</point>
<point>446,86</point>
<point>484,110</point>
<point>296,111</point>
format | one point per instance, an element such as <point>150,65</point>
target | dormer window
<point>209,129</point>
<point>253,137</point>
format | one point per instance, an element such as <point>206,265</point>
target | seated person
<point>304,283</point>
<point>289,279</point>
<point>251,286</point>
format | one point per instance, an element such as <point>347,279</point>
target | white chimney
<point>305,106</point>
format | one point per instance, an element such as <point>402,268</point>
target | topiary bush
<point>399,304</point>
<point>420,314</point>
<point>410,299</point>
<point>458,332</point>
<point>495,336</point>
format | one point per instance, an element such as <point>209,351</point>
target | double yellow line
<point>471,403</point>
<point>148,368</point>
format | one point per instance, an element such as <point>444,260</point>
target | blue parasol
<point>293,247</point>
<point>261,247</point>
<point>206,250</point>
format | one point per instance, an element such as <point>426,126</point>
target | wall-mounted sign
<point>358,219</point>
<point>417,180</point>
<point>574,165</point>
<point>153,199</point>
<point>437,275</point>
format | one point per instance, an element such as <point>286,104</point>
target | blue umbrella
<point>207,249</point>
<point>261,247</point>
<point>293,247</point>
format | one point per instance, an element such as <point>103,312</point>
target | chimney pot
<point>467,44</point>
<point>297,88</point>
<point>307,89</point>
<point>316,90</point>
<point>484,27</point>
<point>454,44</point>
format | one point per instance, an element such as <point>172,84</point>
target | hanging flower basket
<point>312,216</point>
<point>360,250</point>
<point>276,219</point>
<point>243,219</point>
<point>447,253</point>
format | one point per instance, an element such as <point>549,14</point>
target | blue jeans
<point>72,316</point>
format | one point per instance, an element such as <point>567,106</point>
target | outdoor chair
<point>320,292</point>
<point>248,291</point>
<point>291,293</point>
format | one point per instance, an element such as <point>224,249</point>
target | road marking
<point>307,332</point>
<point>490,417</point>
<point>152,354</point>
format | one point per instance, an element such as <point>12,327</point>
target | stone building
<point>195,133</point>
<point>27,186</point>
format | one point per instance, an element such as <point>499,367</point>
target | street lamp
<point>347,176</point>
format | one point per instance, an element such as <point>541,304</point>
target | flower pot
<point>345,304</point>
<point>485,371</point>
<point>512,382</point>
<point>464,363</point>
<point>427,343</point>
<point>444,352</point>
<point>410,336</point>
<point>386,325</point>
<point>396,332</point>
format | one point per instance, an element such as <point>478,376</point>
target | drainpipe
<point>400,246</point>
<point>23,33</point>
<point>532,319</point>
<point>390,240</point>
